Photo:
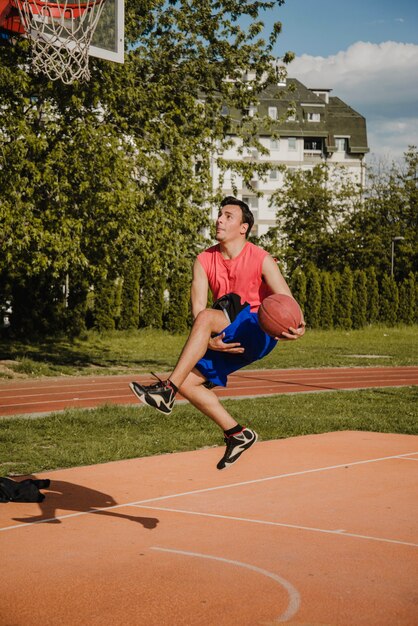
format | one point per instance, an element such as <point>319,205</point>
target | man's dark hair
<point>247,216</point>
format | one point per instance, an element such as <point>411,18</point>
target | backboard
<point>108,40</point>
<point>64,33</point>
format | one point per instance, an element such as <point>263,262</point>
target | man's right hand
<point>217,343</point>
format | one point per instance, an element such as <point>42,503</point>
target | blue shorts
<point>216,366</point>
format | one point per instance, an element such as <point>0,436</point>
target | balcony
<point>313,156</point>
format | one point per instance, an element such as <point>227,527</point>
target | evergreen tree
<point>152,290</point>
<point>359,315</point>
<point>129,317</point>
<point>178,317</point>
<point>104,305</point>
<point>343,308</point>
<point>335,290</point>
<point>407,300</point>
<point>77,305</point>
<point>373,298</point>
<point>313,297</point>
<point>298,287</point>
<point>389,300</point>
<point>327,301</point>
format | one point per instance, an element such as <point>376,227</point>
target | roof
<point>337,119</point>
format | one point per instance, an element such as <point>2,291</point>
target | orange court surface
<point>313,530</point>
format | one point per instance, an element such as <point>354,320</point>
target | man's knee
<point>211,318</point>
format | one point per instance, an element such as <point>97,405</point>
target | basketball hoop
<point>60,34</point>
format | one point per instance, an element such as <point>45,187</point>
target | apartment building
<point>305,127</point>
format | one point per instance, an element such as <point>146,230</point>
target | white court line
<point>294,596</point>
<point>339,532</point>
<point>209,489</point>
<point>276,477</point>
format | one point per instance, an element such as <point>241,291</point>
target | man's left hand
<point>294,333</point>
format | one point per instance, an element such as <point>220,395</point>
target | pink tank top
<point>242,275</point>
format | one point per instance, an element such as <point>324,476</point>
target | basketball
<point>278,313</point>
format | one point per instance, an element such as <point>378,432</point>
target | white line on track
<point>294,596</point>
<point>208,489</point>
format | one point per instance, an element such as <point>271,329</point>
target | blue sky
<point>324,27</point>
<point>367,52</point>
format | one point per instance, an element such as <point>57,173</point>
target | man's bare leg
<point>207,322</point>
<point>237,438</point>
<point>206,400</point>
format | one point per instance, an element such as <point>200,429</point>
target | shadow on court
<point>65,496</point>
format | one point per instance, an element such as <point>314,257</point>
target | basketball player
<point>225,340</point>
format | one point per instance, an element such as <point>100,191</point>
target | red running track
<point>56,394</point>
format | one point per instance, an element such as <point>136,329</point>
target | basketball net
<point>60,34</point>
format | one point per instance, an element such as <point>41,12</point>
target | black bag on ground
<point>24,491</point>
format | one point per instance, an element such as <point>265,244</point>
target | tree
<point>178,317</point>
<point>327,300</point>
<point>298,287</point>
<point>407,300</point>
<point>389,300</point>
<point>313,297</point>
<point>359,315</point>
<point>94,173</point>
<point>310,209</point>
<point>104,305</point>
<point>343,307</point>
<point>129,317</point>
<point>389,209</point>
<point>373,299</point>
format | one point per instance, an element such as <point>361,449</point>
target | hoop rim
<point>48,3</point>
<point>55,9</point>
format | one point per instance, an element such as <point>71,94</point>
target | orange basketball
<point>278,313</point>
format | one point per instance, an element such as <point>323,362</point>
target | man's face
<point>229,224</point>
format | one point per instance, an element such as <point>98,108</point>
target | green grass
<point>75,438</point>
<point>145,350</point>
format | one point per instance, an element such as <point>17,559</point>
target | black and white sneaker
<point>159,396</point>
<point>235,446</point>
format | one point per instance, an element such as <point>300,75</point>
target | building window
<point>273,113</point>
<point>291,142</point>
<point>341,144</point>
<point>291,116</point>
<point>224,110</point>
<point>314,117</point>
<point>274,144</point>
<point>274,174</point>
<point>250,111</point>
<point>252,202</point>
<point>313,144</point>
<point>324,95</point>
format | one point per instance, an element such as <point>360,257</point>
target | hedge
<point>329,300</point>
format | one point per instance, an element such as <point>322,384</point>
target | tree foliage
<point>311,207</point>
<point>324,218</point>
<point>94,173</point>
<point>389,209</point>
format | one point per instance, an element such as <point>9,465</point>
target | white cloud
<point>380,81</point>
<point>391,138</point>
